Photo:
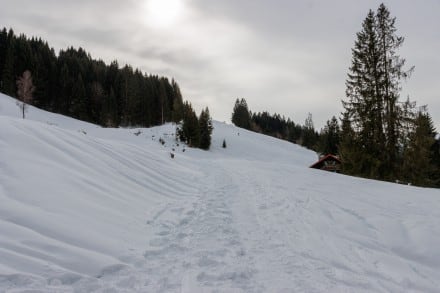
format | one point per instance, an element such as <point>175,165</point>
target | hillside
<point>91,209</point>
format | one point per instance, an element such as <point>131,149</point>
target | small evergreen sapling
<point>224,144</point>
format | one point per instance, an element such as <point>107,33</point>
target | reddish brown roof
<point>329,157</point>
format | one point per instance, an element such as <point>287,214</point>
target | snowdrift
<point>84,208</point>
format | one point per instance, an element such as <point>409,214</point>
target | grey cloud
<point>283,56</point>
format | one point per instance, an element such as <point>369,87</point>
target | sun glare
<point>162,13</point>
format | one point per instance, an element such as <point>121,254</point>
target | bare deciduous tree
<point>25,89</point>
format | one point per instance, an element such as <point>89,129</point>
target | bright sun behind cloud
<point>162,13</point>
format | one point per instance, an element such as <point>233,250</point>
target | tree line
<point>276,125</point>
<point>74,84</point>
<point>378,135</point>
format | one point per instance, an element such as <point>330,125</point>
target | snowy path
<point>253,232</point>
<point>200,250</point>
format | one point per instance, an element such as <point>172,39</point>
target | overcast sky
<point>285,56</point>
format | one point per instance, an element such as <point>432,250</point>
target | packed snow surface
<point>89,209</point>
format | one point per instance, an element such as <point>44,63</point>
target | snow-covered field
<point>87,209</point>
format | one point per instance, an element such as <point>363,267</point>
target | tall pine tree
<point>373,85</point>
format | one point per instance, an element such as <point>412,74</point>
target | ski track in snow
<point>85,209</point>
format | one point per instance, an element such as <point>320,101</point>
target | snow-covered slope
<point>86,209</point>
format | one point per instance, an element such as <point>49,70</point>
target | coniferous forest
<point>276,125</point>
<point>380,136</point>
<point>72,83</point>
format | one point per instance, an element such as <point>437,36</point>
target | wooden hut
<point>328,163</point>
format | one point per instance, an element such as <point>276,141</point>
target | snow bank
<point>86,209</point>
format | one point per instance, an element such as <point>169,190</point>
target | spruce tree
<point>205,128</point>
<point>8,73</point>
<point>373,85</point>
<point>3,48</point>
<point>392,67</point>
<point>79,103</point>
<point>177,110</point>
<point>435,154</point>
<point>189,131</point>
<point>65,84</point>
<point>309,137</point>
<point>329,137</point>
<point>109,110</point>
<point>419,161</point>
<point>163,102</point>
<point>349,150</point>
<point>241,116</point>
